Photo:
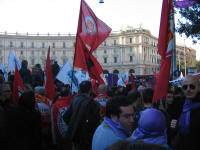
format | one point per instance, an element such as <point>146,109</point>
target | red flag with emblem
<point>93,31</point>
<point>18,87</point>
<point>166,45</point>
<point>49,86</point>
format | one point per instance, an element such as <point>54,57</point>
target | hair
<point>102,88</point>
<point>64,91</point>
<point>2,87</point>
<point>27,100</point>
<point>114,104</point>
<point>147,95</point>
<point>85,86</point>
<point>135,145</point>
<point>24,63</point>
<point>133,96</point>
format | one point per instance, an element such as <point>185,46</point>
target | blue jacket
<point>103,137</point>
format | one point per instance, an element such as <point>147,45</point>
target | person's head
<point>64,91</point>
<point>27,100</point>
<point>5,91</point>
<point>102,88</point>
<point>135,97</point>
<point>85,87</point>
<point>40,90</point>
<point>134,145</point>
<point>2,80</point>
<point>151,125</point>
<point>147,95</point>
<point>190,87</point>
<point>169,97</point>
<point>24,63</point>
<point>120,109</point>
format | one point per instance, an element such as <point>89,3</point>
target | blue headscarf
<point>117,128</point>
<point>184,123</point>
<point>151,127</point>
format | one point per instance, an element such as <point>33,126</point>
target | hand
<point>173,123</point>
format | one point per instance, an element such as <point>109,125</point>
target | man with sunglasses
<point>189,123</point>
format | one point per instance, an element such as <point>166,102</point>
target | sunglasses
<point>192,87</point>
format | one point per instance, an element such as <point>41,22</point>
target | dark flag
<point>112,79</point>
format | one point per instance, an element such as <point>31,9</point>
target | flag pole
<point>174,46</point>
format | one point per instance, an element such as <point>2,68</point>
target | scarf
<point>117,128</point>
<point>184,123</point>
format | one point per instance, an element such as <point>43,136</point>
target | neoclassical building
<point>133,49</point>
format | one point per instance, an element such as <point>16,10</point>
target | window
<point>32,62</point>
<point>54,45</point>
<point>32,45</point>
<point>22,45</point>
<point>131,49</point>
<point>1,44</point>
<point>0,52</point>
<point>54,52</point>
<point>131,58</point>
<point>115,50</point>
<point>115,42</point>
<point>21,52</point>
<point>130,40</point>
<point>64,45</point>
<point>64,52</point>
<point>43,52</point>
<point>43,45</point>
<point>32,52</point>
<point>105,60</point>
<point>11,44</point>
<point>105,51</point>
<point>115,59</point>
<point>104,43</point>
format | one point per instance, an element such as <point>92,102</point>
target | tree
<point>198,66</point>
<point>189,63</point>
<point>189,23</point>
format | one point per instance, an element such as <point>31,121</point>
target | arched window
<point>105,72</point>
<point>116,72</point>
<point>131,71</point>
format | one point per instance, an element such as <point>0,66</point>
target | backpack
<point>84,121</point>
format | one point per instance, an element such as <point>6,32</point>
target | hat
<point>152,121</point>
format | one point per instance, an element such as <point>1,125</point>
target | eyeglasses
<point>192,87</point>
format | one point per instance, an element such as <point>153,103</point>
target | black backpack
<point>84,121</point>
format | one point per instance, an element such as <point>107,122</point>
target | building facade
<point>132,50</point>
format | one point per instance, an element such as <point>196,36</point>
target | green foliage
<point>189,63</point>
<point>189,23</point>
<point>198,66</point>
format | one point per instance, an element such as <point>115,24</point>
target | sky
<point>61,16</point>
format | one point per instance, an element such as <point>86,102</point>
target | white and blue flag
<point>12,59</point>
<point>3,69</point>
<point>66,76</point>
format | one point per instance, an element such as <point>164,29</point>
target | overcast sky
<point>61,16</point>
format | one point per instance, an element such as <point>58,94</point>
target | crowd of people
<point>109,118</point>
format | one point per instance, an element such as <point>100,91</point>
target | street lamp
<point>101,1</point>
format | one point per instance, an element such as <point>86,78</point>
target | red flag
<point>165,46</point>
<point>89,34</point>
<point>49,86</point>
<point>18,87</point>
<point>132,82</point>
<point>93,31</point>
